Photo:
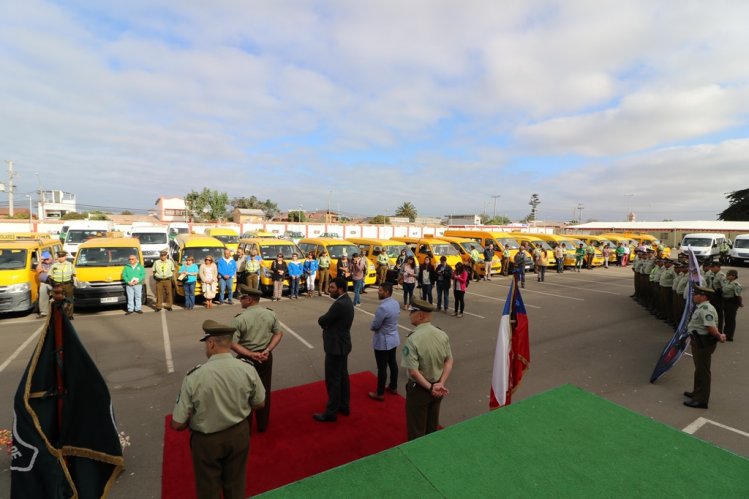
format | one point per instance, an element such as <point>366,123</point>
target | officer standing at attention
<point>257,335</point>
<point>428,361</point>
<point>704,334</point>
<point>215,401</point>
<point>163,271</point>
<point>61,273</point>
<point>717,281</point>
<point>731,302</point>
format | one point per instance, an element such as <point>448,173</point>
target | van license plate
<point>110,299</point>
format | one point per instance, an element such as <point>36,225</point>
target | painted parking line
<point>582,289</point>
<point>21,348</point>
<point>499,299</point>
<point>295,335</point>
<point>530,290</point>
<point>698,423</point>
<point>167,343</point>
<point>609,282</point>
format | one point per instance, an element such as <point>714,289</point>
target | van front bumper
<point>14,302</point>
<point>98,294</point>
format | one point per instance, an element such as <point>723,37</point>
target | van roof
<point>198,240</point>
<point>221,231</point>
<point>329,241</point>
<point>705,234</point>
<point>267,241</point>
<point>372,240</point>
<point>114,242</point>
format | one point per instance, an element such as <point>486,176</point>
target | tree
<point>206,205</point>
<point>738,210</point>
<point>498,220</point>
<point>126,212</point>
<point>252,203</point>
<point>407,209</point>
<point>297,216</point>
<point>534,202</point>
<point>380,219</point>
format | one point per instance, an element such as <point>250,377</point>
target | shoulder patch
<point>194,369</point>
<point>709,317</point>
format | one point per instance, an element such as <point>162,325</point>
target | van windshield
<point>150,237</point>
<point>104,257</point>
<point>394,251</point>
<point>741,243</point>
<point>445,249</point>
<point>200,252</point>
<point>698,242</point>
<point>228,239</point>
<point>13,259</point>
<point>338,250</point>
<point>77,236</point>
<point>508,243</point>
<point>271,251</point>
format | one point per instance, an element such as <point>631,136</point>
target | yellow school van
<point>19,255</point>
<point>371,248</point>
<point>336,248</point>
<point>505,245</point>
<point>198,247</point>
<point>99,263</point>
<point>433,247</point>
<point>555,240</point>
<point>599,242</point>
<point>463,245</point>
<point>229,237</point>
<point>268,249</point>
<point>532,241</point>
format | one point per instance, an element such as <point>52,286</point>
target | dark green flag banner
<point>65,442</point>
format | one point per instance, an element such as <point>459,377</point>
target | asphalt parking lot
<point>584,330</point>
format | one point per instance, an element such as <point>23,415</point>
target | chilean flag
<point>512,354</point>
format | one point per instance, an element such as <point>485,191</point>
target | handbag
<point>182,276</point>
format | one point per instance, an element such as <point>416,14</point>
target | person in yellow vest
<point>163,272</point>
<point>62,273</point>
<point>252,269</point>
<point>383,262</point>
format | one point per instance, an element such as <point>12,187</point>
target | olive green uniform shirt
<point>719,280</point>
<point>324,262</point>
<point>218,394</point>
<point>655,274</point>
<point>704,315</point>
<point>707,277</point>
<point>731,289</point>
<point>255,327</point>
<point>163,269</point>
<point>667,277</point>
<point>647,266</point>
<point>681,282</point>
<point>426,349</point>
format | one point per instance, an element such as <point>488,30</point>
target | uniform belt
<point>162,278</point>
<point>61,282</point>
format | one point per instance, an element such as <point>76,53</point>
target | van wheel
<point>266,290</point>
<point>143,295</point>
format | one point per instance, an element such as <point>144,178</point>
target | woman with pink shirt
<point>460,278</point>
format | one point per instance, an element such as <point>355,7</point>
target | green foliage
<point>498,220</point>
<point>207,205</point>
<point>407,209</point>
<point>126,212</point>
<point>297,216</point>
<point>252,203</point>
<point>380,219</point>
<point>86,215</point>
<point>534,202</point>
<point>738,209</point>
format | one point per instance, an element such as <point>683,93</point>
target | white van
<point>80,231</point>
<point>706,246</point>
<point>152,239</point>
<point>740,251</point>
<point>177,228</point>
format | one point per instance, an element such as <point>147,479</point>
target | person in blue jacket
<point>295,275</point>
<point>310,272</point>
<point>227,269</point>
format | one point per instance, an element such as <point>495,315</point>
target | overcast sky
<point>636,105</point>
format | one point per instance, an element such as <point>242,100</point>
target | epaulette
<point>194,369</point>
<point>240,313</point>
<point>246,361</point>
<point>268,308</point>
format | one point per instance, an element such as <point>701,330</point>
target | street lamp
<point>31,222</point>
<point>495,204</point>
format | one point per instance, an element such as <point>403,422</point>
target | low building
<point>248,215</point>
<point>55,204</point>
<point>171,209</point>
<point>463,219</point>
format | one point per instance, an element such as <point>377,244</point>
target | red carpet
<point>294,445</point>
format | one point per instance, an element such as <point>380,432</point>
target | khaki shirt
<point>681,283</point>
<point>667,277</point>
<point>731,289</point>
<point>426,349</point>
<point>255,327</point>
<point>704,315</point>
<point>163,269</point>
<point>324,262</point>
<point>719,280</point>
<point>647,266</point>
<point>218,394</point>
<point>707,277</point>
<point>655,274</point>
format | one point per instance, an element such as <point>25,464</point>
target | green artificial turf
<point>562,443</point>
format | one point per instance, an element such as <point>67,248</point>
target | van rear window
<point>741,243</point>
<point>150,237</point>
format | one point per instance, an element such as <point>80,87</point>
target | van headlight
<point>18,288</point>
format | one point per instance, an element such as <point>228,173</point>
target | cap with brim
<point>213,328</point>
<point>245,290</point>
<point>163,252</point>
<point>701,290</point>
<point>46,255</point>
<point>715,264</point>
<point>62,253</point>
<point>421,306</point>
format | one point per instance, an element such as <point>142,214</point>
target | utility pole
<point>11,187</point>
<point>40,208</point>
<point>580,211</point>
<point>495,204</point>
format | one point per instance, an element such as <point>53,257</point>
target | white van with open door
<point>706,246</point>
<point>740,251</point>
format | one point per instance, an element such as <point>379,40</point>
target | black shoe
<point>696,405</point>
<point>156,309</point>
<point>169,309</point>
<point>688,394</point>
<point>345,412</point>
<point>729,339</point>
<point>128,312</point>
<point>138,311</point>
<point>324,418</point>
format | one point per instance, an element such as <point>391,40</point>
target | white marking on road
<point>21,348</point>
<point>370,313</point>
<point>304,342</point>
<point>528,290</point>
<point>607,282</point>
<point>582,289</point>
<point>698,423</point>
<point>167,343</point>
<point>499,299</point>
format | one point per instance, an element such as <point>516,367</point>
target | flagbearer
<point>215,401</point>
<point>704,333</point>
<point>428,360</point>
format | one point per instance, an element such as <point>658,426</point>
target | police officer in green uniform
<point>257,334</point>
<point>665,288</point>
<point>654,279</point>
<point>718,279</point>
<point>731,302</point>
<point>428,360</point>
<point>215,401</point>
<point>704,334</point>
<point>383,263</point>
<point>62,273</point>
<point>680,284</point>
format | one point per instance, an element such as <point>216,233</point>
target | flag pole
<point>57,312</point>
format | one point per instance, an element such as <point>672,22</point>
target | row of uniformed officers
<point>661,285</point>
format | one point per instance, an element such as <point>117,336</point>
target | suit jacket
<point>336,326</point>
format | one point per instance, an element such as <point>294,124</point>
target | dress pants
<point>337,384</point>
<point>265,372</point>
<point>701,354</point>
<point>220,461</point>
<point>164,287</point>
<point>385,359</point>
<point>422,411</point>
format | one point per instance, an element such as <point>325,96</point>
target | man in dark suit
<point>336,335</point>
